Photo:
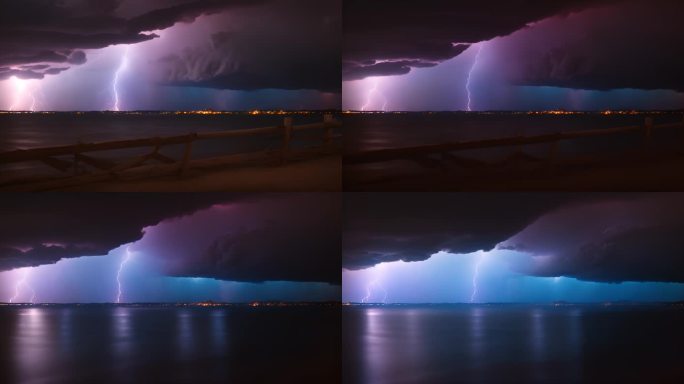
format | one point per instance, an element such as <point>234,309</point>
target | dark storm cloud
<point>292,237</point>
<point>166,17</point>
<point>597,237</point>
<point>288,44</point>
<point>385,68</point>
<point>425,31</point>
<point>634,44</point>
<point>47,32</point>
<point>42,229</point>
<point>411,227</point>
<point>620,239</point>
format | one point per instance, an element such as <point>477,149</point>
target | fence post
<point>328,120</point>
<point>76,152</point>
<point>186,157</point>
<point>551,160</point>
<point>75,164</point>
<point>648,128</point>
<point>518,151</point>
<point>682,129</point>
<point>287,135</point>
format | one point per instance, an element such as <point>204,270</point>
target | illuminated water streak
<point>470,73</point>
<point>117,75</point>
<point>118,273</point>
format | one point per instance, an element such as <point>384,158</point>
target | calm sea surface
<point>33,130</point>
<point>29,130</point>
<point>377,131</point>
<point>513,344</point>
<point>109,344</point>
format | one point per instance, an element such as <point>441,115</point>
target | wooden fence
<point>420,153</point>
<point>77,165</point>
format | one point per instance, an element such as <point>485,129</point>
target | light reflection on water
<point>122,339</point>
<point>218,330</point>
<point>33,338</point>
<point>514,343</point>
<point>120,344</point>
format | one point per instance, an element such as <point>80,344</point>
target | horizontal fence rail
<point>407,153</point>
<point>70,160</point>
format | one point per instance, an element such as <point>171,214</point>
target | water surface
<point>512,344</point>
<point>110,344</point>
<point>391,130</point>
<point>35,130</point>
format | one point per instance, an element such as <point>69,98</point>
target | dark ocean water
<point>109,344</point>
<point>377,131</point>
<point>513,344</point>
<point>24,131</point>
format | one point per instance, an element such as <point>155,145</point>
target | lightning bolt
<point>117,74</point>
<point>33,101</point>
<point>476,275</point>
<point>23,283</point>
<point>18,90</point>
<point>369,291</point>
<point>470,73</point>
<point>21,87</point>
<point>118,273</point>
<point>374,91</point>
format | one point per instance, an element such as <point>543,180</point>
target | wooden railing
<point>410,153</point>
<point>74,162</point>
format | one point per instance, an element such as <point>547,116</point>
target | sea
<point>368,132</point>
<point>513,343</point>
<point>169,344</point>
<point>371,131</point>
<point>46,129</point>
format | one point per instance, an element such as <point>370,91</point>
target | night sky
<point>513,247</point>
<point>513,55</point>
<point>169,247</point>
<point>170,54</point>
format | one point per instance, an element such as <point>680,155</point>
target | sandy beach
<point>322,174</point>
<point>662,174</point>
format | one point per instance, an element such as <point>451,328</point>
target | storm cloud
<point>425,33</point>
<point>292,237</point>
<point>606,237</point>
<point>412,227</point>
<point>238,45</point>
<point>38,35</point>
<point>633,44</point>
<point>619,239</point>
<point>286,44</point>
<point>239,237</point>
<point>43,229</point>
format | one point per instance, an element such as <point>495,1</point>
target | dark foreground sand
<point>665,173</point>
<point>322,174</point>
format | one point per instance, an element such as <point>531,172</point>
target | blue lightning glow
<point>118,273</point>
<point>375,284</point>
<point>476,275</point>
